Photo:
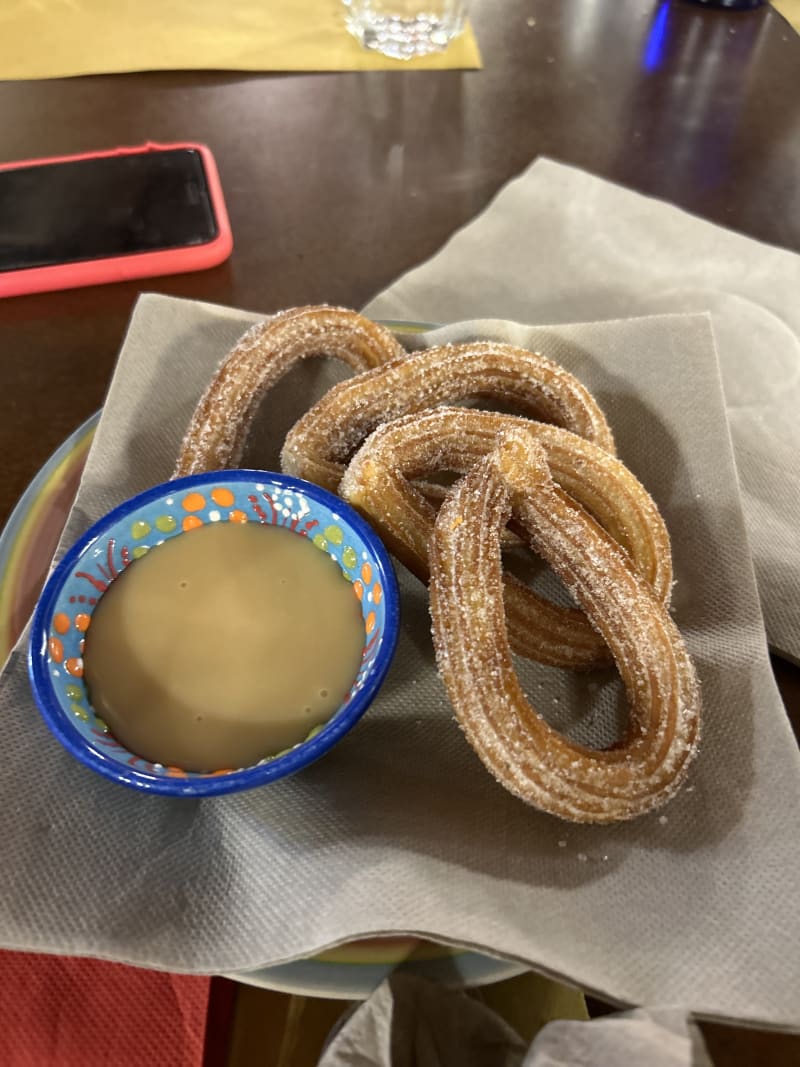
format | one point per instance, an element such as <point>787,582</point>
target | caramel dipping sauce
<point>222,646</point>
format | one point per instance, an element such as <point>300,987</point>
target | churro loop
<point>321,441</point>
<point>379,483</point>
<point>525,754</point>
<point>217,433</point>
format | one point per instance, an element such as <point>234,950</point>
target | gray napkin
<point>408,1022</point>
<point>558,245</point>
<point>400,828</point>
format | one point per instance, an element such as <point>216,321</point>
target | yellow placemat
<point>790,9</point>
<point>62,38</point>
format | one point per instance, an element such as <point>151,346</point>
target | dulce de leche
<point>223,646</point>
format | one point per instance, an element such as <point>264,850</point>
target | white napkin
<point>400,828</point>
<point>558,245</point>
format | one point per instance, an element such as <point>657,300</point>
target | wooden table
<point>337,183</point>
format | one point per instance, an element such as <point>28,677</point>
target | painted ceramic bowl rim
<point>281,766</point>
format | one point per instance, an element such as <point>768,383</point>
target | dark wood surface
<point>337,183</point>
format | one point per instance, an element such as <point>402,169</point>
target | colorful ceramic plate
<point>350,971</point>
<point>31,534</point>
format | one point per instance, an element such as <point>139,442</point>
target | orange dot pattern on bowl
<point>270,504</point>
<point>193,502</point>
<point>223,498</point>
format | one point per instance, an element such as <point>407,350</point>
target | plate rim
<point>81,437</point>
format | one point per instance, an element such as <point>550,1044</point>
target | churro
<point>320,443</point>
<point>217,433</point>
<point>379,482</point>
<point>525,754</point>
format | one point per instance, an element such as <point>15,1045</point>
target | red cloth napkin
<point>69,1012</point>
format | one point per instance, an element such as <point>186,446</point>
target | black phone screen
<point>104,207</point>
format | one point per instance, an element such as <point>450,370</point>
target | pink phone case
<point>136,265</point>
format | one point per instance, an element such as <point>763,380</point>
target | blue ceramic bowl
<point>64,611</point>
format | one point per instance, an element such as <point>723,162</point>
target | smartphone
<point>110,216</point>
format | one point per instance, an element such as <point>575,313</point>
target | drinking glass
<point>405,28</point>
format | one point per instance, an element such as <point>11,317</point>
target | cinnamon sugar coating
<point>379,483</point>
<point>216,436</point>
<point>525,754</point>
<point>320,443</point>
